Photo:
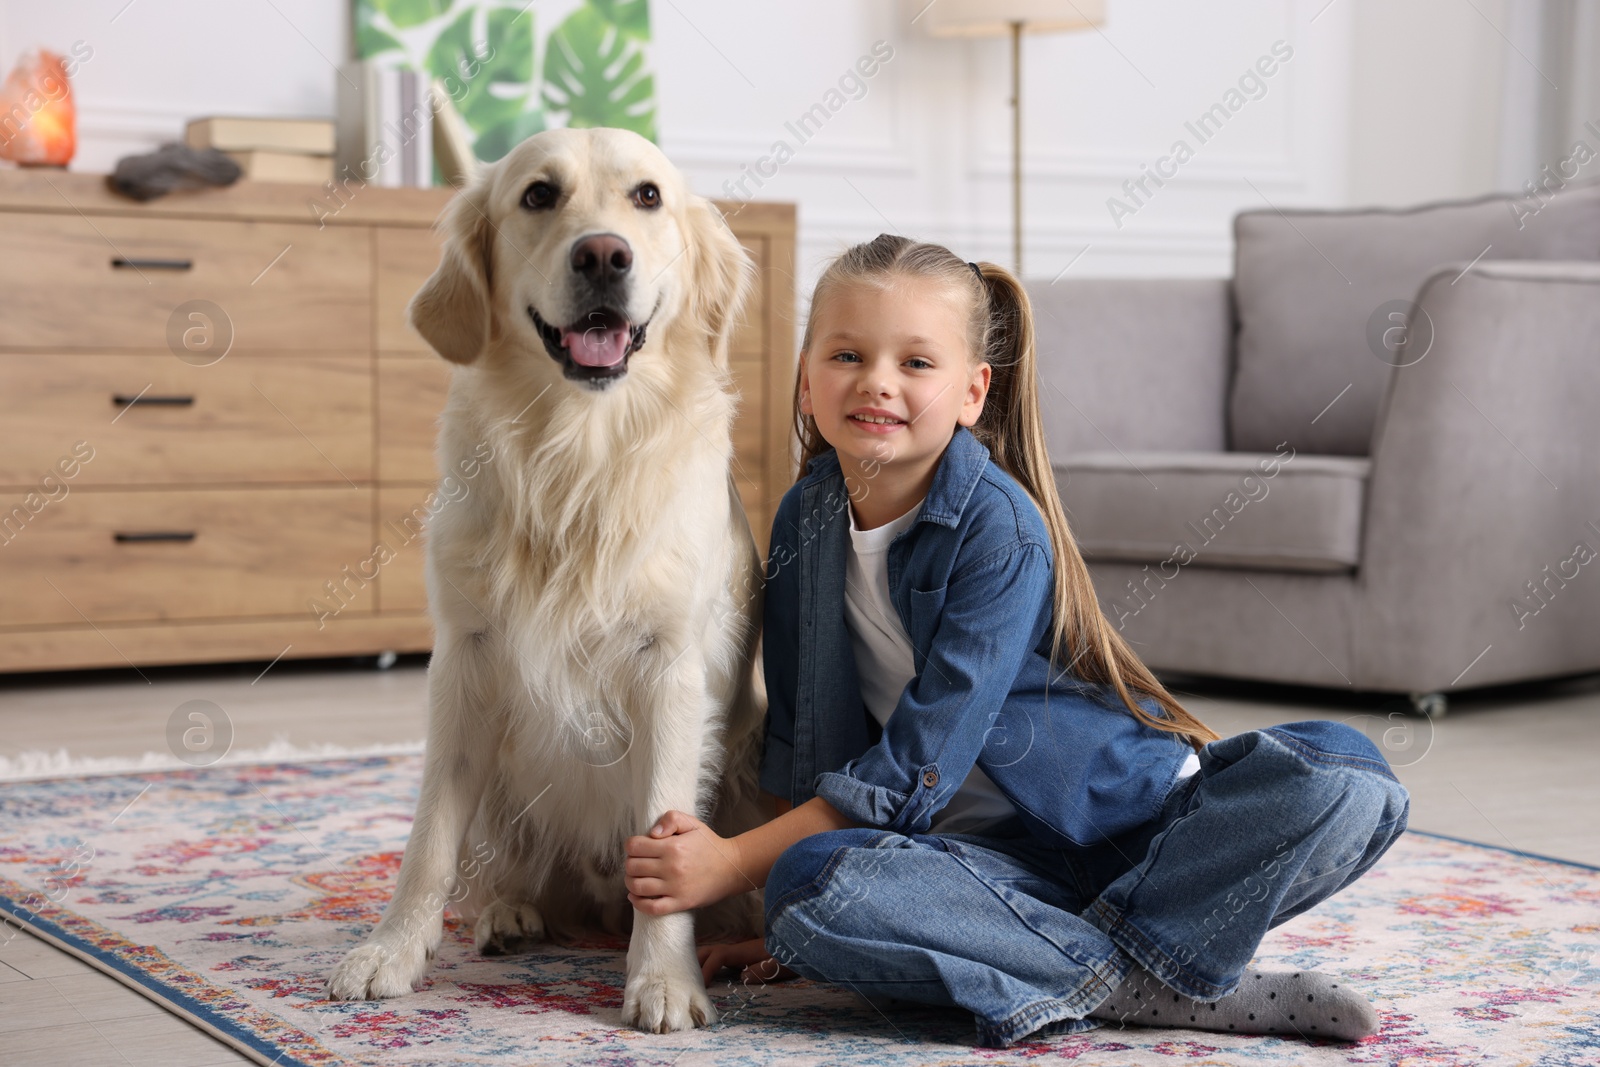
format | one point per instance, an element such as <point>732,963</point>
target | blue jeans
<point>1030,938</point>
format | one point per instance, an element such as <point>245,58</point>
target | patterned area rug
<point>228,893</point>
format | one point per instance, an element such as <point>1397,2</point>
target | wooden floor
<point>1511,766</point>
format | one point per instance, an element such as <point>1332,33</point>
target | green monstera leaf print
<point>496,99</point>
<point>594,72</point>
<point>632,17</point>
<point>403,14</point>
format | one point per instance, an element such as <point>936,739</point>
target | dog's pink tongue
<point>598,346</point>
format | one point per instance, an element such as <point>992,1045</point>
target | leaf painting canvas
<point>513,69</point>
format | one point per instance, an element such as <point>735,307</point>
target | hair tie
<point>976,270</point>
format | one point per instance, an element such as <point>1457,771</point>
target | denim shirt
<point>971,579</point>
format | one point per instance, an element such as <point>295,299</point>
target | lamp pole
<point>1016,147</point>
<point>993,18</point>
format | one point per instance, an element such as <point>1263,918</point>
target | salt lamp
<point>38,125</point>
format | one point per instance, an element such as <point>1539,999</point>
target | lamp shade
<point>991,18</point>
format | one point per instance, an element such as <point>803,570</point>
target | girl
<point>986,799</point>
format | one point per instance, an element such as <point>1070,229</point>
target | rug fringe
<point>61,764</point>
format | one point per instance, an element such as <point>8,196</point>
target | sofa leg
<point>1431,705</point>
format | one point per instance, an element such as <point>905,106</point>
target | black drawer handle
<point>123,400</point>
<point>156,535</point>
<point>151,264</point>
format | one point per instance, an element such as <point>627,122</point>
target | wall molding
<point>1084,166</point>
<point>132,121</point>
<point>857,156</point>
<point>1048,242</point>
<point>869,158</point>
<point>1063,235</point>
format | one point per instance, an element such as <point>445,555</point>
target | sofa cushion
<point>1252,510</point>
<point>1307,282</point>
<point>1143,362</point>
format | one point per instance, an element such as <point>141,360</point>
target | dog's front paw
<point>659,1003</point>
<point>508,929</point>
<point>377,970</point>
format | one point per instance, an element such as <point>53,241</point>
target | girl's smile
<point>876,420</point>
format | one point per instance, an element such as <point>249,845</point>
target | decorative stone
<point>38,122</point>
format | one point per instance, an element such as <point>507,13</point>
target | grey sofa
<point>1369,460</point>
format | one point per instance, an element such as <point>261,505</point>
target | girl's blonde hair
<point>1000,332</point>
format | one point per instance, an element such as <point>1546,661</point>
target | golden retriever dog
<point>596,593</point>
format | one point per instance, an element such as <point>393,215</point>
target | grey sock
<point>1303,1003</point>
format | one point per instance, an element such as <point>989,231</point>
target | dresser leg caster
<point>1431,705</point>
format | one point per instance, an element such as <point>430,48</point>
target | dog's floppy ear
<point>721,276</point>
<point>453,311</point>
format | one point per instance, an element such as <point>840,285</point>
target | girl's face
<point>900,354</point>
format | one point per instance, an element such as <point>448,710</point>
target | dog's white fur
<point>595,594</point>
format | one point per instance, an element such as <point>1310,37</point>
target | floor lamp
<point>992,18</point>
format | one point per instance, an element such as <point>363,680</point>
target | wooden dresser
<point>217,429</point>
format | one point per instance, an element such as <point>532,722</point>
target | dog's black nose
<point>602,258</point>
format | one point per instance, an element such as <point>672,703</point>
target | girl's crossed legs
<point>1031,938</point>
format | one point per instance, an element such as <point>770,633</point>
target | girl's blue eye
<point>914,359</point>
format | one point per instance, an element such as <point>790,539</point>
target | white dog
<point>596,596</point>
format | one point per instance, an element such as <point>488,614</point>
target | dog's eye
<point>539,195</point>
<point>647,195</point>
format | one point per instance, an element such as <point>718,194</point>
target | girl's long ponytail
<point>1013,429</point>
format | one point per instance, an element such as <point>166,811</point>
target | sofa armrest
<point>1133,363</point>
<point>1485,483</point>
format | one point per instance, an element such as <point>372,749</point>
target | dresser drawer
<point>403,514</point>
<point>74,281</point>
<point>406,259</point>
<point>154,419</point>
<point>159,555</point>
<point>411,394</point>
<point>750,331</point>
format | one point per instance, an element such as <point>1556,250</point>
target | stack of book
<point>270,149</point>
<point>385,124</point>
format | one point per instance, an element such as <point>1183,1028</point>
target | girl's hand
<point>751,958</point>
<point>681,864</point>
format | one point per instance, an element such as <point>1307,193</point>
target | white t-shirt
<point>885,667</point>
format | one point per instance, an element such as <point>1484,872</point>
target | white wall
<point>1426,89</point>
<point>927,151</point>
<point>158,63</point>
<point>1382,101</point>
